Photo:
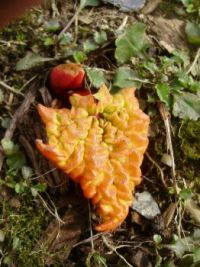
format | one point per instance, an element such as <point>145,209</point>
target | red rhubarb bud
<point>66,77</point>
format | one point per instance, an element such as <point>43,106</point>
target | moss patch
<point>190,139</point>
<point>23,229</point>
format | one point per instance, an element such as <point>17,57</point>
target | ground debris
<point>141,259</point>
<point>58,239</point>
<point>19,115</point>
<point>44,170</point>
<point>193,210</point>
<point>169,32</point>
<point>169,214</point>
<point>150,6</point>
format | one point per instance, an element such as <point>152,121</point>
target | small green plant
<point>192,6</point>
<point>170,79</point>
<point>18,174</point>
<point>95,259</point>
<point>23,217</point>
<point>186,250</point>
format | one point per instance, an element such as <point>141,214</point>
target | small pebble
<point>145,205</point>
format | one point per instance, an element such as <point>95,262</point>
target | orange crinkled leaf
<point>99,143</point>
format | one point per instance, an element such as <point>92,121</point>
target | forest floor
<point>45,220</point>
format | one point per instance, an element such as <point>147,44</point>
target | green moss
<point>190,139</point>
<point>24,229</point>
<point>186,142</point>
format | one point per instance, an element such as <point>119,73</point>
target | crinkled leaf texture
<point>99,143</point>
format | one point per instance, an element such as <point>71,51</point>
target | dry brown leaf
<point>58,239</point>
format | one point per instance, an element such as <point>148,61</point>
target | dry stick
<point>55,208</point>
<point>76,26</point>
<point>195,61</point>
<point>43,174</point>
<point>17,117</point>
<point>27,83</point>
<point>90,222</point>
<point>113,249</point>
<point>11,89</point>
<point>31,155</point>
<point>54,9</point>
<point>53,213</point>
<point>165,116</point>
<point>9,43</point>
<point>70,22</point>
<point>87,240</point>
<point>123,24</point>
<point>159,168</point>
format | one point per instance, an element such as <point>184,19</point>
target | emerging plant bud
<point>99,143</point>
<point>66,77</point>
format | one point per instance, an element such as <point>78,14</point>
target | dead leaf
<point>15,203</point>
<point>136,218</point>
<point>193,210</point>
<point>59,239</point>
<point>150,6</point>
<point>141,259</point>
<point>169,32</point>
<point>169,214</point>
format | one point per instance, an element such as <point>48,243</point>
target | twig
<point>113,249</point>
<point>1,257</point>
<point>91,232</point>
<point>27,83</point>
<point>20,112</point>
<point>31,155</point>
<point>54,8</point>
<point>76,25</point>
<point>67,25</point>
<point>149,180</point>
<point>11,89</point>
<point>9,43</point>
<point>123,24</point>
<point>165,116</point>
<point>159,168</point>
<point>140,80</point>
<point>179,219</point>
<point>94,237</point>
<point>73,19</point>
<point>43,174</point>
<point>123,246</point>
<point>55,213</point>
<point>17,117</point>
<point>195,61</point>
